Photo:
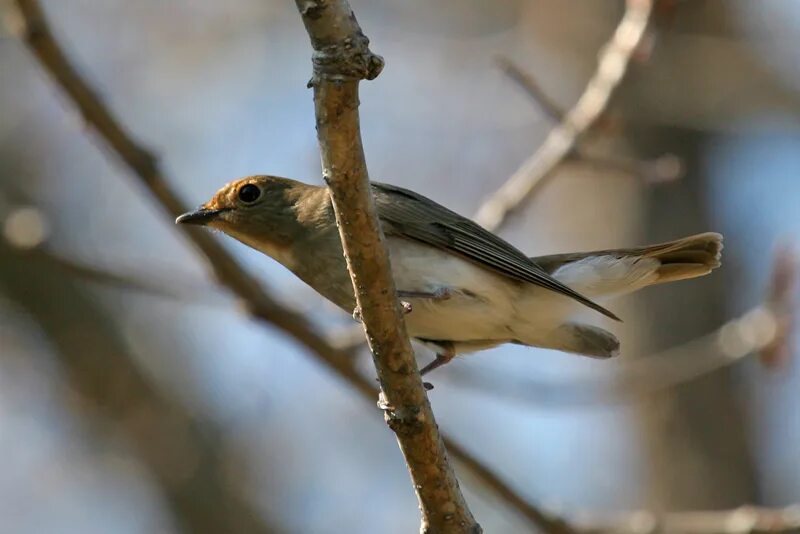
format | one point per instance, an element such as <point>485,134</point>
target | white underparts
<point>486,309</point>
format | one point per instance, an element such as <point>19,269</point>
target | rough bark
<point>341,59</point>
<point>35,31</point>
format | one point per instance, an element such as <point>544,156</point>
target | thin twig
<point>531,88</point>
<point>743,520</point>
<point>560,142</point>
<point>781,300</point>
<point>262,307</point>
<point>172,289</point>
<point>36,33</point>
<point>341,59</point>
<point>663,169</point>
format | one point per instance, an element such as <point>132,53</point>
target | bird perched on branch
<point>467,289</point>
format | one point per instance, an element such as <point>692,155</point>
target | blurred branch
<point>36,33</point>
<point>744,520</point>
<point>173,289</point>
<point>184,455</point>
<point>532,88</point>
<point>342,59</point>
<point>663,169</point>
<point>561,141</point>
<point>764,331</point>
<point>780,301</point>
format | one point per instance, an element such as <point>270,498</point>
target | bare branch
<point>341,59</point>
<point>734,341</point>
<point>561,141</point>
<point>781,302</point>
<point>37,34</point>
<point>744,520</point>
<point>184,454</point>
<point>39,38</point>
<point>663,169</point>
<point>172,288</point>
<point>531,88</point>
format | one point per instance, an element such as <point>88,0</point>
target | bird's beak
<point>200,216</point>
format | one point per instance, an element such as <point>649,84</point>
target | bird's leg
<point>446,353</point>
<point>442,293</point>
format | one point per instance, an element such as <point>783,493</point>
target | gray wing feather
<point>410,215</point>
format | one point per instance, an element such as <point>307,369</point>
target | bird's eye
<point>249,193</point>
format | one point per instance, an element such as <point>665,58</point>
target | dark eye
<point>249,193</point>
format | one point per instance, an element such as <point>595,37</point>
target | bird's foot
<point>443,357</point>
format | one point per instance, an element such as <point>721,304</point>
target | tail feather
<point>686,258</point>
<point>616,271</point>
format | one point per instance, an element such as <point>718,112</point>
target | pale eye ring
<point>249,193</point>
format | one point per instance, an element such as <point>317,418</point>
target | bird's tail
<point>607,272</point>
<point>686,258</point>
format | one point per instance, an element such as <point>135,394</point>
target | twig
<point>531,88</point>
<point>743,520</point>
<point>341,59</point>
<point>262,307</point>
<point>780,300</point>
<point>173,289</point>
<point>663,169</point>
<point>37,34</point>
<point>560,142</point>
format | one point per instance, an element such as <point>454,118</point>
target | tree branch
<point>184,455</point>
<point>663,169</point>
<point>341,59</point>
<point>743,520</point>
<point>261,306</point>
<point>561,141</point>
<point>35,31</point>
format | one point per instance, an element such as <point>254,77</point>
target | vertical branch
<point>34,30</point>
<point>341,59</point>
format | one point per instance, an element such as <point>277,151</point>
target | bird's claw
<point>383,404</point>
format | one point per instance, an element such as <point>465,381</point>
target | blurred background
<point>166,409</point>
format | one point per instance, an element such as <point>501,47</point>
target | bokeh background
<point>226,425</point>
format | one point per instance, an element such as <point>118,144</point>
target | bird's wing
<point>410,215</point>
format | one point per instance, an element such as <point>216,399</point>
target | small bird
<point>465,289</point>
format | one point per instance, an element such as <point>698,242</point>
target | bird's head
<point>265,212</point>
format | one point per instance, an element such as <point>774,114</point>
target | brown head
<point>267,213</point>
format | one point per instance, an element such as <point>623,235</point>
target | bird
<point>465,289</point>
